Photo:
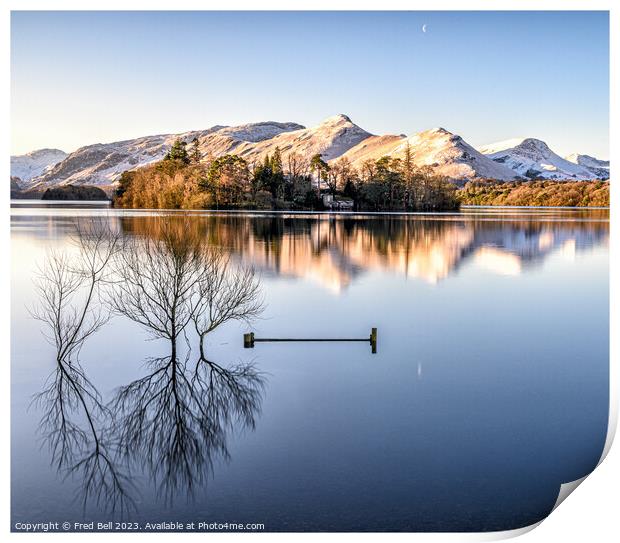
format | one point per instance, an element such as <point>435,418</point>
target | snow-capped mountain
<point>446,152</point>
<point>103,163</point>
<point>35,163</point>
<point>331,138</point>
<point>337,136</point>
<point>532,158</point>
<point>237,139</point>
<point>599,167</point>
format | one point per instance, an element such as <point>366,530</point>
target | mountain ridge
<point>533,158</point>
<point>30,165</point>
<point>447,153</point>
<point>335,137</point>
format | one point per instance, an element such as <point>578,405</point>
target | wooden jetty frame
<point>249,340</point>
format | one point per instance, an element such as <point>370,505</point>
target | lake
<point>489,387</point>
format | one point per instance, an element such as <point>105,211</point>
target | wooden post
<point>373,340</point>
<point>248,340</point>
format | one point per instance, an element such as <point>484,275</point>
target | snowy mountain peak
<point>438,133</point>
<point>40,153</point>
<point>532,158</point>
<point>255,132</point>
<point>337,136</point>
<point>331,138</point>
<point>587,160</point>
<point>534,145</point>
<point>447,153</point>
<point>341,118</point>
<point>600,168</point>
<point>530,145</point>
<point>35,163</point>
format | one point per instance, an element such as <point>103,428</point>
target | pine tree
<point>178,152</point>
<point>195,154</point>
<point>277,174</point>
<point>408,170</point>
<point>318,165</point>
<point>276,162</point>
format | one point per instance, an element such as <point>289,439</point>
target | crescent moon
<point>424,28</point>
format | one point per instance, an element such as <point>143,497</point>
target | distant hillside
<point>536,193</point>
<point>532,158</point>
<point>447,153</point>
<point>336,137</point>
<point>600,168</point>
<point>34,164</point>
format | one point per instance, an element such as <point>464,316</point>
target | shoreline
<point>107,204</point>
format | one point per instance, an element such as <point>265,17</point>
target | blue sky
<point>87,77</point>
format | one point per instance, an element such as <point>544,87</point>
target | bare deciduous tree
<point>298,165</point>
<point>225,294</point>
<point>175,419</point>
<point>156,281</point>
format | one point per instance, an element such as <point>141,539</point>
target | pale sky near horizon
<point>79,78</point>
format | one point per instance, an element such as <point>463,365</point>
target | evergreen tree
<point>195,154</point>
<point>276,162</point>
<point>124,183</point>
<point>320,167</point>
<point>178,152</point>
<point>276,184</point>
<point>261,177</point>
<point>227,179</point>
<point>409,177</point>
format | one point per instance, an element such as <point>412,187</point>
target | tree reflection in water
<point>174,420</point>
<point>69,290</point>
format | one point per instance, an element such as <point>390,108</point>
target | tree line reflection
<point>333,251</point>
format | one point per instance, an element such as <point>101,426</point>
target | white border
<point>591,512</point>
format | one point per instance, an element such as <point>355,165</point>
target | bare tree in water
<point>175,419</point>
<point>69,308</point>
<point>225,293</point>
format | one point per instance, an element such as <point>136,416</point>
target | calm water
<point>489,388</point>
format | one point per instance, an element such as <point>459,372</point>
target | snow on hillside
<point>530,157</point>
<point>232,139</point>
<point>446,152</point>
<point>600,168</point>
<point>103,163</point>
<point>256,132</point>
<point>33,164</point>
<point>331,138</point>
<point>337,136</point>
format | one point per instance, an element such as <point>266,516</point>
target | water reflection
<point>334,251</point>
<point>173,421</point>
<point>74,415</point>
<point>471,423</point>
